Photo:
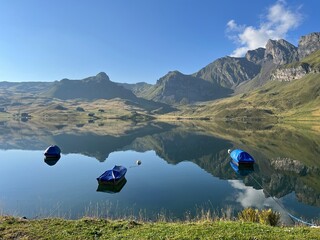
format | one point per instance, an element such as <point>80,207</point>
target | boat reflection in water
<point>51,160</point>
<point>242,170</point>
<point>112,188</point>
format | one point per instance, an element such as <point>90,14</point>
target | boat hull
<point>113,176</point>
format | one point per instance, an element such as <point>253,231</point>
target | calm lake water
<point>184,170</point>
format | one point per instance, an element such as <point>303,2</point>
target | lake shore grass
<point>95,228</point>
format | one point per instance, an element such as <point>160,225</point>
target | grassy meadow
<point>93,228</point>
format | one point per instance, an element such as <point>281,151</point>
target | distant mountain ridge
<point>96,87</point>
<point>100,87</point>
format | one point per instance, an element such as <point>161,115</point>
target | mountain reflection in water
<point>287,158</point>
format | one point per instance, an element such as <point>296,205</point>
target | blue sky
<point>139,40</point>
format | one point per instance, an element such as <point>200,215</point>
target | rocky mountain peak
<point>281,51</point>
<point>174,74</point>
<point>170,76</point>
<point>102,76</point>
<point>308,44</point>
<point>256,56</point>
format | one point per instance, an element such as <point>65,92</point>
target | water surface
<point>185,170</point>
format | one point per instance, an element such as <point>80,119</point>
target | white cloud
<point>250,197</point>
<point>278,20</point>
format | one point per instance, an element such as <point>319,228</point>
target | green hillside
<point>298,99</point>
<point>291,100</point>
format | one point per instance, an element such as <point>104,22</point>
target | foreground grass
<point>91,228</point>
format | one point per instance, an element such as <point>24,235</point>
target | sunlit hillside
<point>297,99</point>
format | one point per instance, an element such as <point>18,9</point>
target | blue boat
<point>113,176</point>
<point>241,158</point>
<point>52,151</point>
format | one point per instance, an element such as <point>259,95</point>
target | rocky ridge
<point>308,44</point>
<point>296,71</point>
<point>281,52</point>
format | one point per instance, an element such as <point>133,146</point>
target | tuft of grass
<point>266,217</point>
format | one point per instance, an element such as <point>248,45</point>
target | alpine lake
<point>185,170</point>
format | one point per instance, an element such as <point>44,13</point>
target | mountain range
<point>228,75</point>
<point>228,84</point>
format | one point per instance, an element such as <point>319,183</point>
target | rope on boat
<point>293,218</point>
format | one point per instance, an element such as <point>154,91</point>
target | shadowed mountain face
<point>176,87</point>
<point>97,87</point>
<point>229,72</point>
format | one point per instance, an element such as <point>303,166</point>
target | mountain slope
<point>292,100</point>
<point>276,53</point>
<point>228,72</point>
<point>100,87</point>
<point>176,87</point>
<point>267,67</point>
<point>137,88</point>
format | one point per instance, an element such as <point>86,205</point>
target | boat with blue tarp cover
<point>241,158</point>
<point>52,151</point>
<point>112,176</point>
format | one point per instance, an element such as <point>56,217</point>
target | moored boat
<point>112,176</point>
<point>241,158</point>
